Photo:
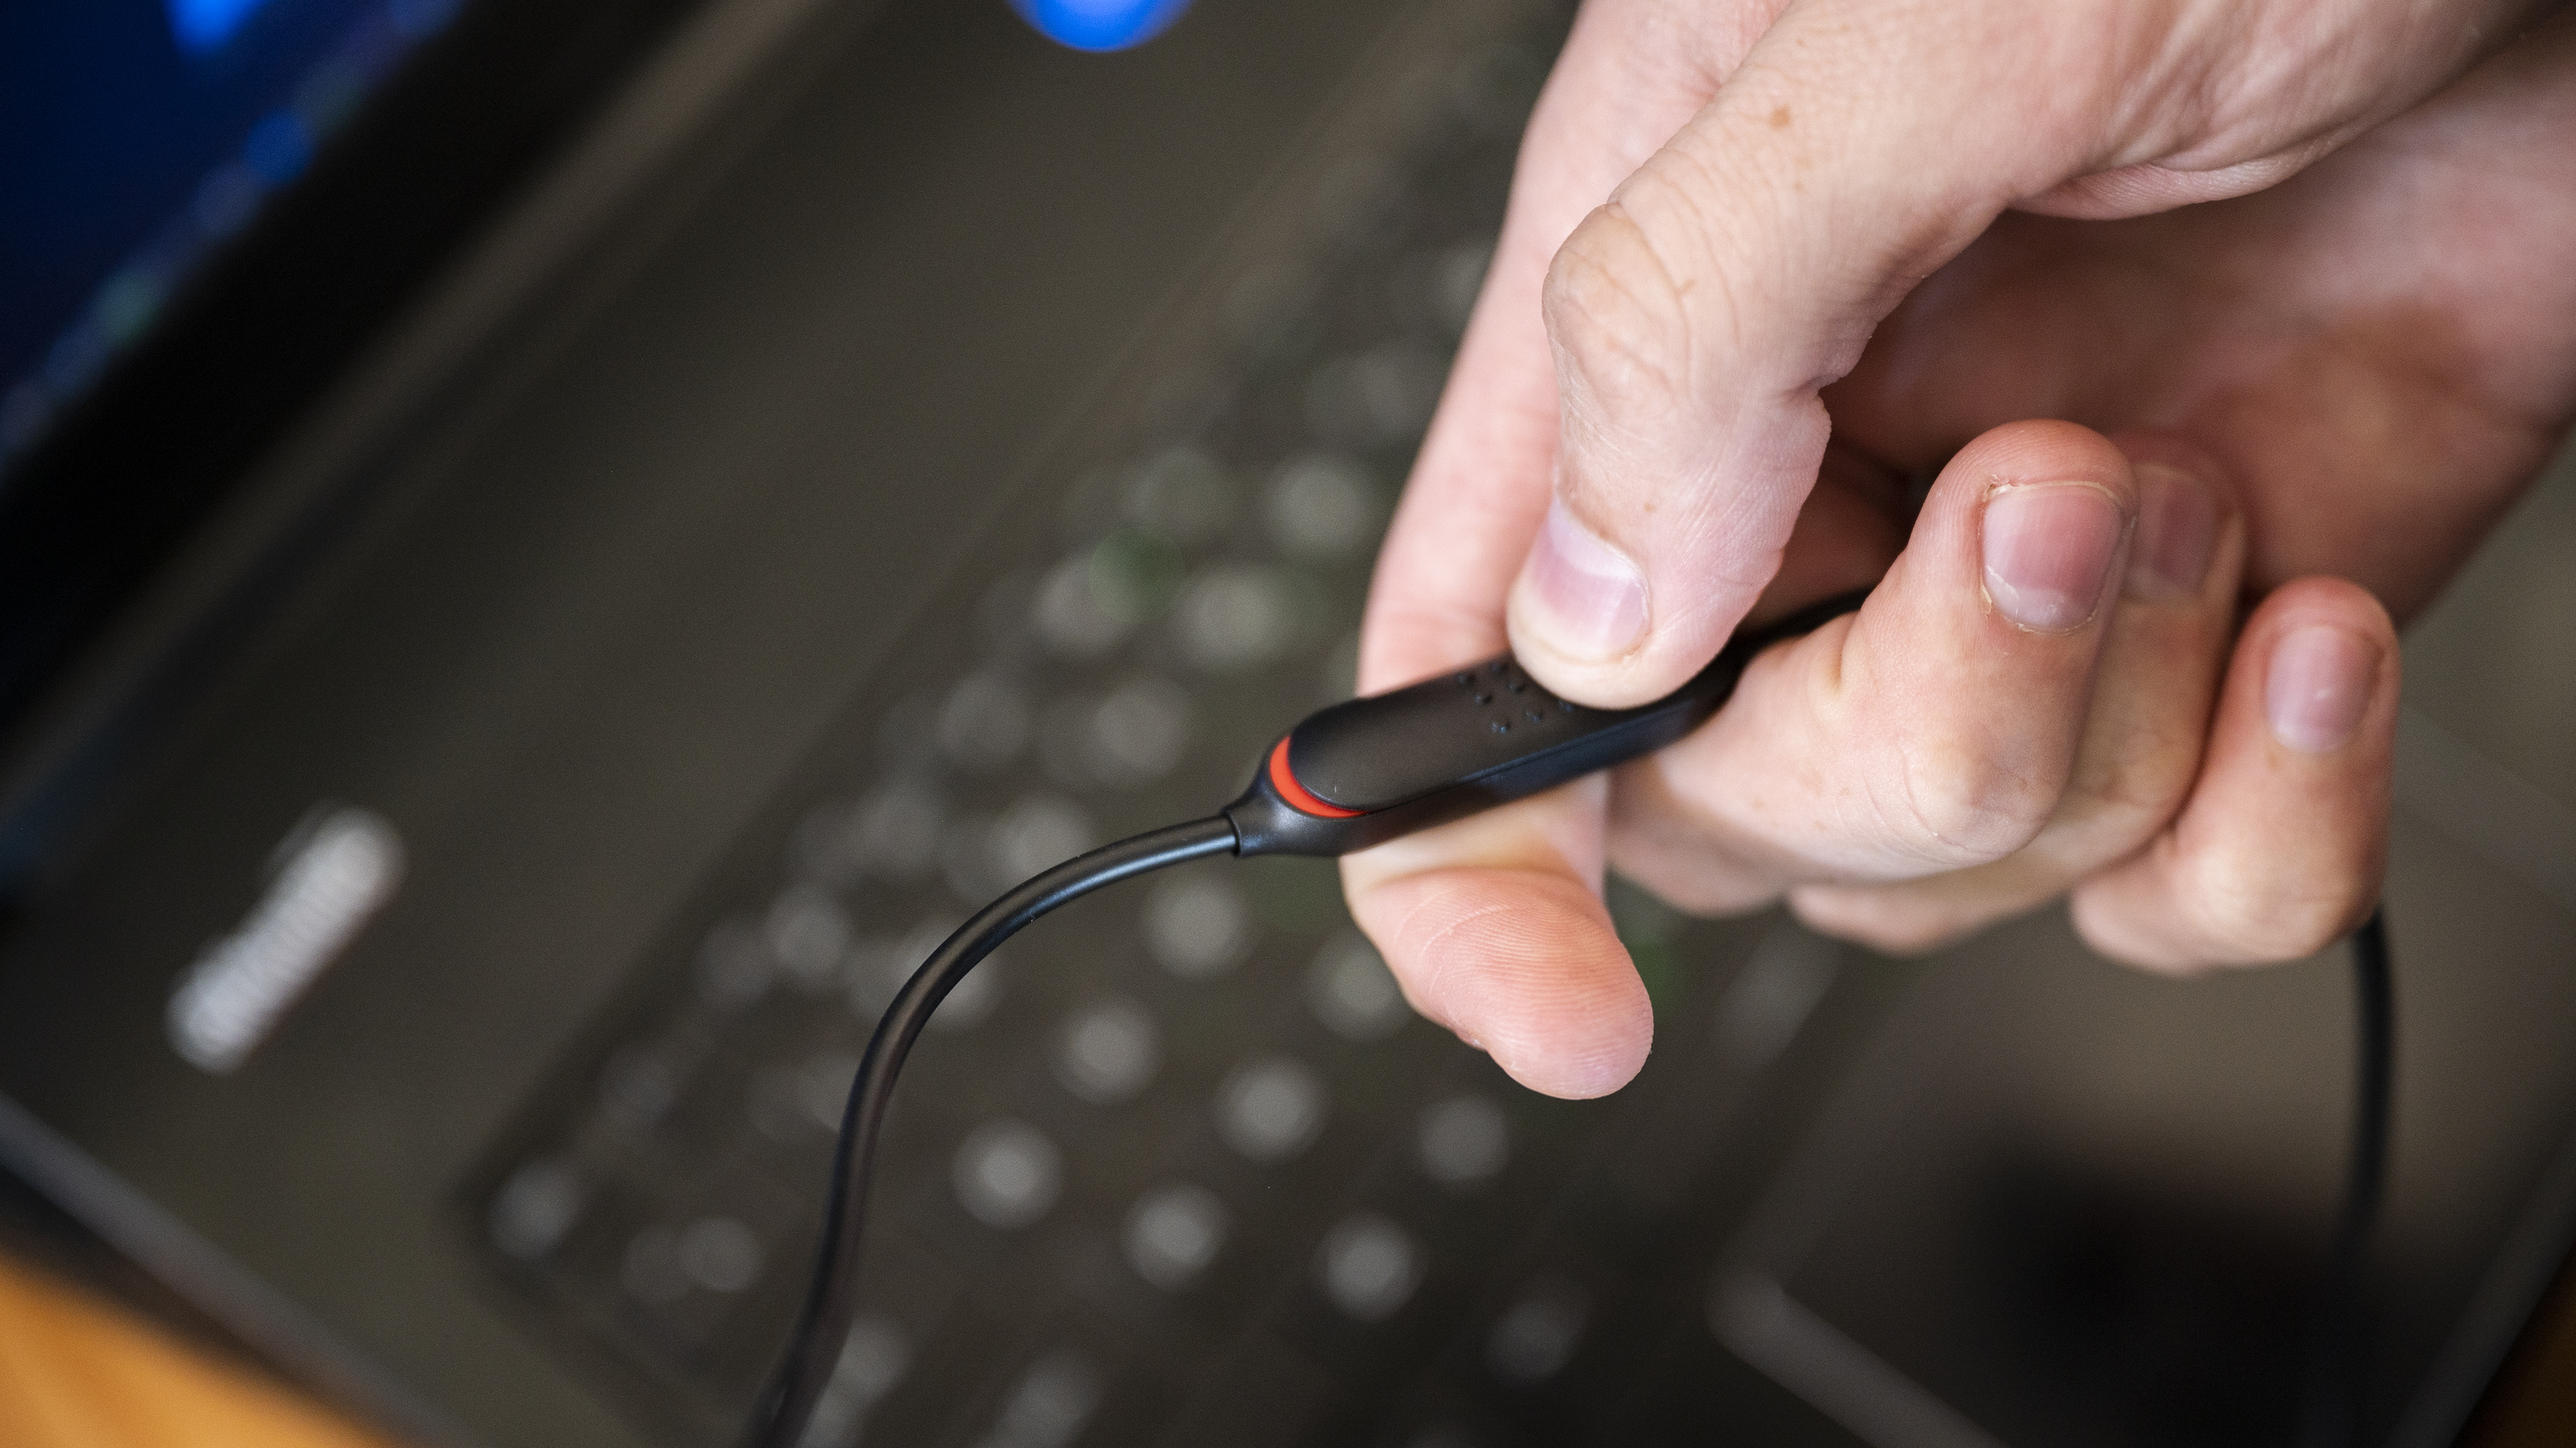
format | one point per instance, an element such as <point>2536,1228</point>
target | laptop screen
<point>144,137</point>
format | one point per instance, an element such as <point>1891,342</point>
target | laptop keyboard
<point>1179,1164</point>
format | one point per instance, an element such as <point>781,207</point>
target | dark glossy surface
<point>1489,718</point>
<point>1464,742</point>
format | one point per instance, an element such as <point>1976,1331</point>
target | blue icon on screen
<point>202,25</point>
<point>1096,24</point>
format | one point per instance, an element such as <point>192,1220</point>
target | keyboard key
<point>1139,732</point>
<point>1369,1266</point>
<point>1380,397</point>
<point>1071,616</point>
<point>1173,1233</point>
<point>1270,1108</point>
<point>893,834</point>
<point>718,1254</point>
<point>1236,617</point>
<point>874,1359</point>
<point>1180,493</point>
<point>1463,1141</point>
<point>808,935</point>
<point>537,1206</point>
<point>1048,1405</point>
<point>1323,507</point>
<point>1537,1335</point>
<point>638,1085</point>
<point>823,1087</point>
<point>799,1103</point>
<point>1767,1003</point>
<point>984,857</point>
<point>1134,574</point>
<point>1196,924</point>
<point>1107,1052</point>
<point>1352,992</point>
<point>984,722</point>
<point>1007,1175</point>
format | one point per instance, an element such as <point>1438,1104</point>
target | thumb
<point>1695,317</point>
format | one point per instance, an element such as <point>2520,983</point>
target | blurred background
<point>548,552</point>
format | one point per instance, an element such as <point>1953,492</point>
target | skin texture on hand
<point>1898,229</point>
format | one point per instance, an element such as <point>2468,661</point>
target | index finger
<point>1631,74</point>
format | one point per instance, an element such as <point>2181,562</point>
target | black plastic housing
<point>1377,768</point>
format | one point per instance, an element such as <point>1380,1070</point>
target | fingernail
<point>1592,599</point>
<point>2048,552</point>
<point>2319,684</point>
<point>2177,528</point>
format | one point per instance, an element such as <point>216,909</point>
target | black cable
<point>2338,1368</point>
<point>1372,769</point>
<point>814,1349</point>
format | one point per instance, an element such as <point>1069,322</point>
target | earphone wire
<point>814,1348</point>
<point>2333,1387</point>
<point>2337,1382</point>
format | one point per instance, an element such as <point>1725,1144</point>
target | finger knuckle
<point>1957,809</point>
<point>2257,922</point>
<point>1616,315</point>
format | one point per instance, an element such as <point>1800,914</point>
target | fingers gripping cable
<point>1359,774</point>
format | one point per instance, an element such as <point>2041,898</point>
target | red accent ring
<point>1298,796</point>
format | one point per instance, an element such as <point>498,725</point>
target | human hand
<point>2280,346</point>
